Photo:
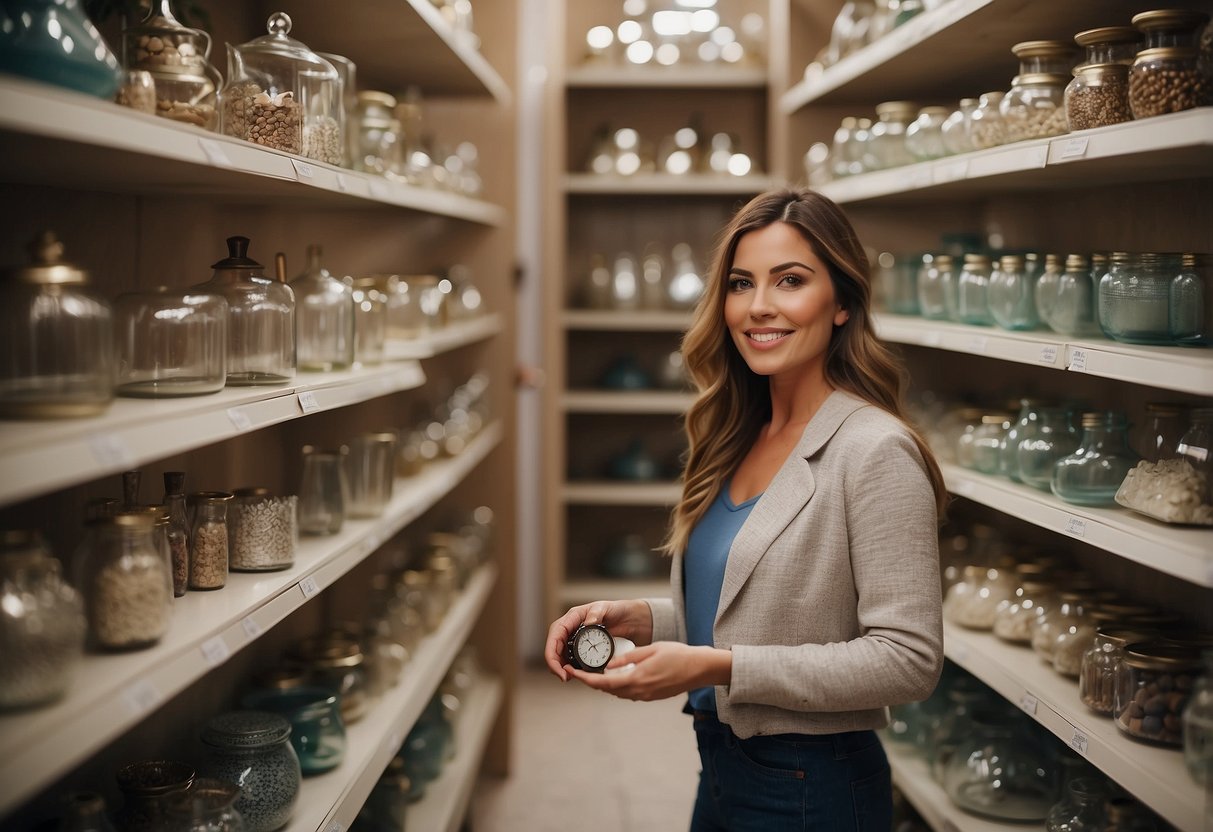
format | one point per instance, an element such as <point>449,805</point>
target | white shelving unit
<point>113,692</point>
<point>640,321</point>
<point>621,493</point>
<point>639,401</point>
<point>666,184</point>
<point>911,776</point>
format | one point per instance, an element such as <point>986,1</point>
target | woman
<point>805,579</point>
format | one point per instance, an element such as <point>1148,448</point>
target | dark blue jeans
<point>828,783</point>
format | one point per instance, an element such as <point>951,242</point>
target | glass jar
<point>1014,616</point>
<point>209,539</point>
<point>935,281</point>
<point>951,722</point>
<point>324,318</point>
<point>178,59</point>
<point>146,787</point>
<point>972,602</point>
<point>170,342</point>
<point>856,148</point>
<point>1076,639</point>
<point>924,137</point>
<point>1097,676</point>
<point>1012,295</point>
<point>263,531</point>
<point>1092,474</point>
<point>957,127</point>
<point>1109,45</point>
<point>1044,56</point>
<point>404,319</point>
<point>1134,298</point>
<point>1098,96</point>
<point>336,663</point>
<point>1191,301</point>
<point>898,280</point>
<point>887,146</point>
<point>1196,445</point>
<point>1025,422</point>
<point>973,291</point>
<point>1074,303</point>
<point>56,336</point>
<point>1000,772</point>
<point>126,582</point>
<point>84,812</point>
<point>387,805</point>
<point>431,299</point>
<point>987,441</point>
<point>1049,437</point>
<point>1153,685</point>
<point>347,72</point>
<point>251,750</point>
<point>840,150</point>
<point>376,132</point>
<point>1168,80</point>
<point>261,319</point>
<point>208,806</point>
<point>370,321</point>
<point>985,125</point>
<point>178,530</point>
<point>42,623</point>
<point>317,732</point>
<point>1170,28</point>
<point>371,463</point>
<point>1165,423</point>
<point>1071,609</point>
<point>1034,108</point>
<point>1081,809</point>
<point>323,491</point>
<point>1198,727</point>
<point>283,96</point>
<point>56,43</point>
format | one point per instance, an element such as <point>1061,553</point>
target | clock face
<point>594,647</point>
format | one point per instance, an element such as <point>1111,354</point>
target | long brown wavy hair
<point>734,402</point>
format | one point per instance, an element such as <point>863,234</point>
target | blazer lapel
<point>787,495</point>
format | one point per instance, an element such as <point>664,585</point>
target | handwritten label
<point>343,182</point>
<point>111,450</point>
<point>215,153</point>
<point>379,189</point>
<point>1076,526</point>
<point>142,697</point>
<point>239,419</point>
<point>1078,361</point>
<point>307,401</point>
<point>251,628</point>
<point>1048,354</point>
<point>215,651</point>
<point>309,587</point>
<point>1074,149</point>
<point>1079,742</point>
<point>951,171</point>
<point>303,170</point>
<point>1028,703</point>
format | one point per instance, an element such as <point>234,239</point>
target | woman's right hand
<point>628,619</point>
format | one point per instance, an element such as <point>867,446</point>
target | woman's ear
<point>841,316</point>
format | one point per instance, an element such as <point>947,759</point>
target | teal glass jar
<point>1045,290</point>
<point>1025,419</point>
<point>898,278</point>
<point>1073,310</point>
<point>1092,474</point>
<point>973,291</point>
<point>988,438</point>
<point>934,278</point>
<point>317,732</point>
<point>1044,441</point>
<point>1135,298</point>
<point>1012,295</point>
<point>53,41</point>
<point>1191,302</point>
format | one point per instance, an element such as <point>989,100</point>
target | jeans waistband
<point>843,741</point>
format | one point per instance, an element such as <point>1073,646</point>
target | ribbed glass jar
<point>1135,297</point>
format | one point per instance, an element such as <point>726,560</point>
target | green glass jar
<point>1043,440</point>
<point>1092,474</point>
<point>1135,297</point>
<point>1073,311</point>
<point>973,291</point>
<point>1191,301</point>
<point>1012,295</point>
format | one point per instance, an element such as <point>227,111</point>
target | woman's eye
<point>791,280</point>
<point>738,283</point>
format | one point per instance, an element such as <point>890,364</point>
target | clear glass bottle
<point>376,132</point>
<point>1109,45</point>
<point>1198,727</point>
<point>1012,295</point>
<point>1045,440</point>
<point>178,531</point>
<point>209,539</point>
<point>1098,96</point>
<point>1168,80</point>
<point>170,342</point>
<point>1092,474</point>
<point>324,318</point>
<point>126,582</point>
<point>178,59</point>
<point>924,137</point>
<point>972,291</point>
<point>42,623</point>
<point>261,319</point>
<point>1191,301</point>
<point>146,787</point>
<point>1034,108</point>
<point>957,127</point>
<point>1073,311</point>
<point>323,491</point>
<point>208,806</point>
<point>1165,423</point>
<point>1134,298</point>
<point>370,321</point>
<point>1153,686</point>
<point>251,749</point>
<point>1081,810</point>
<point>57,339</point>
<point>933,283</point>
<point>887,146</point>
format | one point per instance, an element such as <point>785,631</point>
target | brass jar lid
<point>1166,53</point>
<point>1162,19</point>
<point>46,264</point>
<point>1040,79</point>
<point>1076,262</point>
<point>1099,72</point>
<point>1109,35</point>
<point>1042,49</point>
<point>1011,262</point>
<point>897,110</point>
<point>1161,655</point>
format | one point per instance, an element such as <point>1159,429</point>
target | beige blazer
<point>831,600</point>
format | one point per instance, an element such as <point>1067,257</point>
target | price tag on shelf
<point>1048,355</point>
<point>142,697</point>
<point>933,338</point>
<point>215,153</point>
<point>1038,156</point>
<point>1079,742</point>
<point>215,651</point>
<point>343,182</point>
<point>309,587</point>
<point>966,488</point>
<point>1076,526</point>
<point>307,401</point>
<point>111,450</point>
<point>335,826</point>
<point>977,344</point>
<point>239,419</point>
<point>251,628</point>
<point>952,171</point>
<point>304,171</point>
<point>1028,703</point>
<point>1078,361</point>
<point>379,188</point>
<point>920,176</point>
<point>1074,149</point>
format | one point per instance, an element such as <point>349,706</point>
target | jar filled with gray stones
<point>1098,96</point>
<point>209,539</point>
<point>283,96</point>
<point>262,531</point>
<point>252,748</point>
<point>126,581</point>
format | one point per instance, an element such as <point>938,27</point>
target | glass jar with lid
<point>1014,616</point>
<point>1074,303</point>
<point>1092,474</point>
<point>317,732</point>
<point>1135,297</point>
<point>973,291</point>
<point>376,132</point>
<point>1191,315</point>
<point>323,490</point>
<point>1055,57</point>
<point>1045,292</point>
<point>1198,726</point>
<point>887,146</point>
<point>263,530</point>
<point>1109,45</point>
<point>252,750</point>
<point>126,582</point>
<point>1175,488</point>
<point>924,137</point>
<point>146,787</point>
<point>935,280</point>
<point>1098,96</point>
<point>840,160</point>
<point>985,126</point>
<point>956,128</point>
<point>336,663</point>
<point>1012,295</point>
<point>261,319</point>
<point>987,441</point>
<point>1168,80</point>
<point>42,623</point>
<point>209,539</point>
<point>1072,608</point>
<point>1047,439</point>
<point>178,58</point>
<point>1034,108</point>
<point>1153,685</point>
<point>1075,639</point>
<point>208,806</point>
<point>1097,676</point>
<point>1170,28</point>
<point>324,318</point>
<point>972,603</point>
<point>56,336</point>
<point>966,421</point>
<point>855,150</point>
<point>284,96</point>
<point>1000,770</point>
<point>370,321</point>
<point>170,342</point>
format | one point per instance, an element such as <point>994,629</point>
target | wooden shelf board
<point>450,337</point>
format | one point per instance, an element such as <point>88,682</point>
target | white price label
<point>251,628</point>
<point>215,153</point>
<point>951,171</point>
<point>307,401</point>
<point>379,189</point>
<point>309,587</point>
<point>1038,157</point>
<point>977,344</point>
<point>1078,361</point>
<point>335,826</point>
<point>1074,149</point>
<point>111,450</point>
<point>215,651</point>
<point>933,338</point>
<point>303,170</point>
<point>966,488</point>
<point>239,419</point>
<point>1076,526</point>
<point>1048,354</point>
<point>1079,742</point>
<point>1028,703</point>
<point>343,182</point>
<point>142,697</point>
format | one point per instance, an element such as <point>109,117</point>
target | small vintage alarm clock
<point>590,648</point>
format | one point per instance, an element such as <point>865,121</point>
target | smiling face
<point>780,306</point>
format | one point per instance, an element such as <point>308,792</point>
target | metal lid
<point>897,110</point>
<point>126,519</point>
<point>1052,260</point>
<point>1040,79</point>
<point>237,256</point>
<point>1120,635</point>
<point>1163,53</point>
<point>246,729</point>
<point>977,260</point>
<point>1095,72</point>
<point>1108,34</point>
<point>330,651</point>
<point>996,418</point>
<point>46,263</point>
<point>1011,262</point>
<point>1076,261</point>
<point>1042,49</point>
<point>943,260</point>
<point>1161,655</point>
<point>1161,19</point>
<point>209,497</point>
<point>938,111</point>
<point>376,97</point>
<point>158,513</point>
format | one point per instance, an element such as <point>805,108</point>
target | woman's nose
<point>761,306</point>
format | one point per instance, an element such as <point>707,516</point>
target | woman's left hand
<point>659,671</point>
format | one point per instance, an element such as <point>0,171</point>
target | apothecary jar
<point>177,57</point>
<point>1153,684</point>
<point>1092,474</point>
<point>1034,108</point>
<point>170,342</point>
<point>252,750</point>
<point>324,318</point>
